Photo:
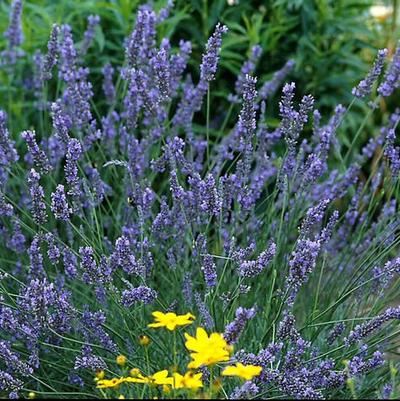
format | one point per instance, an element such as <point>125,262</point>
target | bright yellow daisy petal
<point>246,372</point>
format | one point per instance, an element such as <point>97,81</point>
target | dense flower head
<point>14,35</point>
<point>362,331</point>
<point>14,31</point>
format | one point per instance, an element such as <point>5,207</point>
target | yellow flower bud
<point>121,360</point>
<point>166,389</point>
<point>31,395</point>
<point>100,374</point>
<point>121,397</point>
<point>144,340</point>
<point>134,372</point>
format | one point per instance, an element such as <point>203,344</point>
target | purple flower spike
<point>59,204</point>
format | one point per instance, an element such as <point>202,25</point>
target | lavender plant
<point>269,236</point>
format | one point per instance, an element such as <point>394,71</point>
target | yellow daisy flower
<point>246,372</point>
<point>190,380</point>
<point>207,350</point>
<point>108,383</point>
<point>170,320</point>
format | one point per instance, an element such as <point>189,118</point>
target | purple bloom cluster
<point>364,88</point>
<point>59,205</point>
<point>38,207</point>
<point>139,294</point>
<point>13,35</point>
<point>50,60</point>
<point>209,63</point>
<point>39,157</point>
<point>234,329</point>
<point>362,331</point>
<point>252,268</point>
<point>391,80</point>
<point>93,22</point>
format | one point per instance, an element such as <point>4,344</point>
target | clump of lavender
<point>140,191</point>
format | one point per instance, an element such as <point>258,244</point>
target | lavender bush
<point>271,236</point>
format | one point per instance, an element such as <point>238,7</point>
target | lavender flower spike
<point>39,157</point>
<point>50,59</point>
<point>60,122</point>
<point>270,87</point>
<point>209,271</point>
<point>108,86</point>
<point>234,329</point>
<point>59,205</point>
<point>93,22</point>
<point>364,330</point>
<point>209,63</point>
<point>8,153</point>
<point>253,268</point>
<point>36,191</point>
<point>392,76</point>
<point>204,312</point>
<point>74,152</point>
<point>364,88</point>
<point>14,32</point>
